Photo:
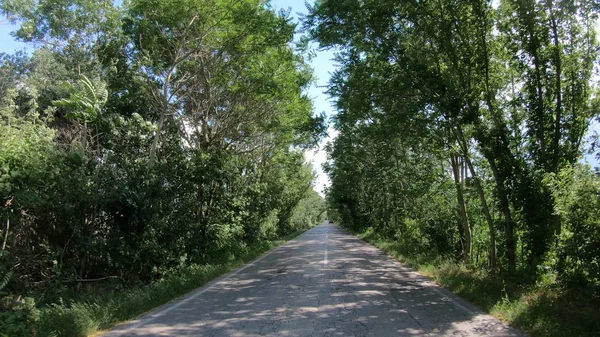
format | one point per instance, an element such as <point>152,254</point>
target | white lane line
<point>326,238</point>
<point>200,292</point>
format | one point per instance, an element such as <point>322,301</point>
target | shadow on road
<point>325,283</point>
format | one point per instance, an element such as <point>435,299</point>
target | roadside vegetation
<point>146,147</point>
<point>462,131</point>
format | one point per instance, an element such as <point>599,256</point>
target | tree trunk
<point>201,220</point>
<point>161,121</point>
<point>504,203</point>
<point>6,232</point>
<point>481,194</point>
<point>465,229</point>
<point>556,139</point>
<point>505,207</point>
<point>163,114</point>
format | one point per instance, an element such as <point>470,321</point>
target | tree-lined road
<point>326,282</point>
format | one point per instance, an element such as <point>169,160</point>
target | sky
<point>7,44</point>
<point>322,64</point>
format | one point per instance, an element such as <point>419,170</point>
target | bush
<point>17,316</point>
<point>577,257</point>
<point>76,320</point>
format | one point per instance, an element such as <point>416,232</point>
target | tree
<point>158,134</point>
<point>448,73</point>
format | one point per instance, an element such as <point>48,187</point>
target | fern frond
<point>90,90</point>
<point>103,93</point>
<point>4,279</point>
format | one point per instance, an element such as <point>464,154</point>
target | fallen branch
<point>93,279</point>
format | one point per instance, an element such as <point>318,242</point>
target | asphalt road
<point>326,282</point>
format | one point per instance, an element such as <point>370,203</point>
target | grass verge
<point>542,310</point>
<point>83,319</point>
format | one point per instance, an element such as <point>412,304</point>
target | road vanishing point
<point>326,282</point>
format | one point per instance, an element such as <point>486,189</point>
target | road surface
<point>326,282</point>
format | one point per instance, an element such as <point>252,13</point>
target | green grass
<point>542,310</point>
<point>86,318</point>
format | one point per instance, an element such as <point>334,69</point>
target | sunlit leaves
<point>86,101</point>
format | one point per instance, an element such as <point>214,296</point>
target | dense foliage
<point>141,138</point>
<point>462,128</point>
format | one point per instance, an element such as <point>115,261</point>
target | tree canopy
<point>462,127</point>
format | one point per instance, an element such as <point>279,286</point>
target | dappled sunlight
<point>325,283</point>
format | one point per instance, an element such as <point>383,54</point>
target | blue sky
<point>7,44</point>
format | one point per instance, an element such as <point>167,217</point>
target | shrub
<point>577,194</point>
<point>17,316</point>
